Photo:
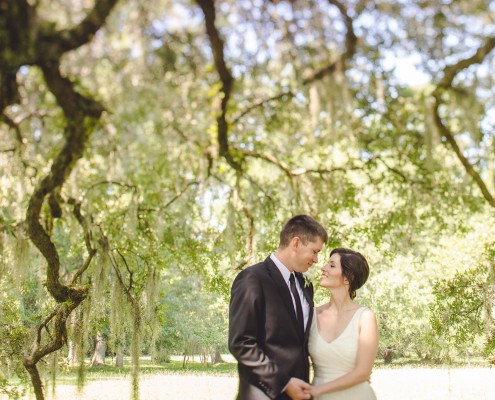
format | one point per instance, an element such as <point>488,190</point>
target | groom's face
<point>305,255</point>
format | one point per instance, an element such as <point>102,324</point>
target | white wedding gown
<point>333,359</point>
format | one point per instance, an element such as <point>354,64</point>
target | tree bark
<point>100,349</point>
<point>72,354</point>
<point>217,44</point>
<point>27,39</point>
<point>216,357</point>
<point>388,355</point>
<point>119,358</point>
<point>35,380</point>
<point>449,74</point>
<point>58,319</point>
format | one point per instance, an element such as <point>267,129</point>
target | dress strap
<point>357,314</point>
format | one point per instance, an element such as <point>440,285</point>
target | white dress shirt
<point>286,275</point>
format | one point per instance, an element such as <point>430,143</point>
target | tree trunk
<point>71,355</point>
<point>489,308</point>
<point>119,358</point>
<point>216,357</point>
<point>100,350</point>
<point>161,356</point>
<point>22,40</point>
<point>35,379</point>
<point>387,355</point>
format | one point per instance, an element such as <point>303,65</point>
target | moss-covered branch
<point>26,39</point>
<point>350,47</point>
<point>445,84</point>
<point>208,8</point>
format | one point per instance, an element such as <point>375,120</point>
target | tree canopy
<point>151,150</point>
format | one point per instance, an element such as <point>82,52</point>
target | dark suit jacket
<point>263,334</point>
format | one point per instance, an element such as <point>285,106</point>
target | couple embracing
<point>274,327</point>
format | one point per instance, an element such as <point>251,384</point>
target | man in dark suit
<point>270,314</point>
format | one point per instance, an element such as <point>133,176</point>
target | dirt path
<point>389,384</point>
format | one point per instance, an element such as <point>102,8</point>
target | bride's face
<point>332,273</point>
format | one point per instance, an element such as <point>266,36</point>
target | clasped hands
<point>297,389</point>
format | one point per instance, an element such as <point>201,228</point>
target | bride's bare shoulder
<point>367,316</point>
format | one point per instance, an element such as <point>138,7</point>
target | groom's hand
<point>297,389</point>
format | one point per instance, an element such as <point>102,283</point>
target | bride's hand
<point>313,391</point>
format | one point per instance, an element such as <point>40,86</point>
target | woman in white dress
<point>343,339</point>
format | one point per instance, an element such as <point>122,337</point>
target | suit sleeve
<point>247,334</point>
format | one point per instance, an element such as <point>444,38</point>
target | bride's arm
<point>366,354</point>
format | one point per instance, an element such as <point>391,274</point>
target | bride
<point>343,338</point>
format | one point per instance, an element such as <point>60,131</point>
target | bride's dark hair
<point>354,268</point>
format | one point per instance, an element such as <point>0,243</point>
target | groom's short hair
<point>304,227</point>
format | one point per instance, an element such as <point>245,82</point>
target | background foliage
<point>223,119</point>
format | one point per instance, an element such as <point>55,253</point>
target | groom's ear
<point>296,242</point>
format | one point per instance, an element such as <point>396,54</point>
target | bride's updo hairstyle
<point>354,268</point>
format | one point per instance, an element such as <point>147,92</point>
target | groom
<point>270,314</point>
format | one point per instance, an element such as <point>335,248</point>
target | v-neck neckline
<point>340,334</point>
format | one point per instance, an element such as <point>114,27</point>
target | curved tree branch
<point>449,74</point>
<point>15,127</point>
<point>83,222</point>
<point>445,132</point>
<point>26,39</point>
<point>69,39</point>
<point>350,47</point>
<point>81,114</point>
<point>271,159</point>
<point>249,245</point>
<point>350,50</point>
<point>59,316</point>
<point>208,8</point>
<point>117,183</point>
<point>292,173</point>
<point>15,16</point>
<point>451,71</point>
<point>261,103</point>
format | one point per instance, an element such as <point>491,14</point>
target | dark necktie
<point>299,311</point>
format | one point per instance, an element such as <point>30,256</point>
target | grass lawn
<point>147,367</point>
<point>401,380</point>
<point>228,368</point>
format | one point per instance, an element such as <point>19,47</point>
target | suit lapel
<point>308,291</point>
<point>282,288</point>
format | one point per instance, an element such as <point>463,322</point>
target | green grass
<point>109,371</point>
<point>193,367</point>
<point>68,375</point>
<point>410,362</point>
